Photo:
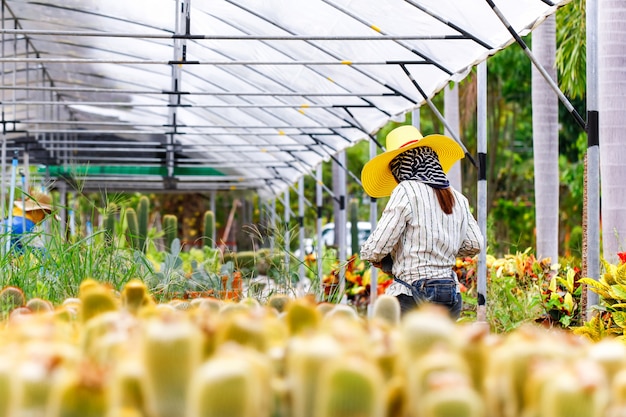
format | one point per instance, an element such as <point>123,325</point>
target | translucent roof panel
<point>229,94</point>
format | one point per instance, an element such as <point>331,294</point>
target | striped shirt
<point>424,242</point>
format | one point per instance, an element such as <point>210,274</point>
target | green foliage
<point>571,54</point>
<point>176,273</point>
<point>610,317</point>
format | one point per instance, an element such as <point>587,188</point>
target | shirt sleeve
<point>389,227</point>
<point>473,242</point>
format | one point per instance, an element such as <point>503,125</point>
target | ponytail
<point>445,198</point>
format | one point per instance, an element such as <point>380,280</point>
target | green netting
<point>77,171</point>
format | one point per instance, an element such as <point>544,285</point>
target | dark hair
<point>445,198</point>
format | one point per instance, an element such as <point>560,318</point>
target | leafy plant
<point>611,314</point>
<point>561,297</point>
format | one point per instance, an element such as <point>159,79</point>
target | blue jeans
<point>408,303</point>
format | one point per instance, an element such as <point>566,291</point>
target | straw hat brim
<point>377,179</point>
<point>30,205</point>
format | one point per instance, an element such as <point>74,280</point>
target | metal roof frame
<point>262,93</point>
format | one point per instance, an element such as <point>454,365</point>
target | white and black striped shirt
<point>424,242</point>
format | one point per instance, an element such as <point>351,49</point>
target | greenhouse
<point>195,162</point>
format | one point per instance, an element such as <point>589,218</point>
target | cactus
<point>302,315</point>
<point>95,300</point>
<point>350,387</point>
<point>134,296</point>
<point>170,352</point>
<point>11,298</point>
<point>307,357</point>
<point>133,229</point>
<point>209,229</point>
<point>457,401</point>
<point>39,305</point>
<point>353,209</point>
<point>127,392</point>
<point>387,309</point>
<point>231,384</point>
<point>143,216</point>
<point>278,302</point>
<point>79,396</point>
<point>575,391</point>
<point>170,229</point>
<point>6,378</point>
<point>108,222</point>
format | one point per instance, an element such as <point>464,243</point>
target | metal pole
<point>318,227</point>
<point>301,226</point>
<point>593,156</point>
<point>340,225</point>
<point>373,221</point>
<point>11,199</point>
<point>481,309</point>
<point>287,236</point>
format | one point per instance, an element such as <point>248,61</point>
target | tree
<point>611,105</point>
<point>545,119</point>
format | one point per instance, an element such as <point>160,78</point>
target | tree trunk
<point>611,105</point>
<point>546,143</point>
<point>451,113</point>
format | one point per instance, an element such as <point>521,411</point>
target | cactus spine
<point>143,215</point>
<point>170,229</point>
<point>209,229</point>
<point>133,228</point>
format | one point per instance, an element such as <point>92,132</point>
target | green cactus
<point>170,229</point>
<point>209,229</point>
<point>350,387</point>
<point>353,209</point>
<point>108,222</point>
<point>133,229</point>
<point>457,401</point>
<point>170,352</point>
<point>143,216</point>
<point>279,302</point>
<point>307,357</point>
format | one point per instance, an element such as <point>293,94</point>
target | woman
<point>426,224</point>
<point>28,217</point>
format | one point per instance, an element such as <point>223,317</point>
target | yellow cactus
<point>135,296</point>
<point>95,299</point>
<point>170,352</point>
<point>236,383</point>
<point>387,308</point>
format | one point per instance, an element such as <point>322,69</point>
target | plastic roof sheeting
<point>257,93</point>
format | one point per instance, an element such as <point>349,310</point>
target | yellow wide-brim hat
<point>376,177</point>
